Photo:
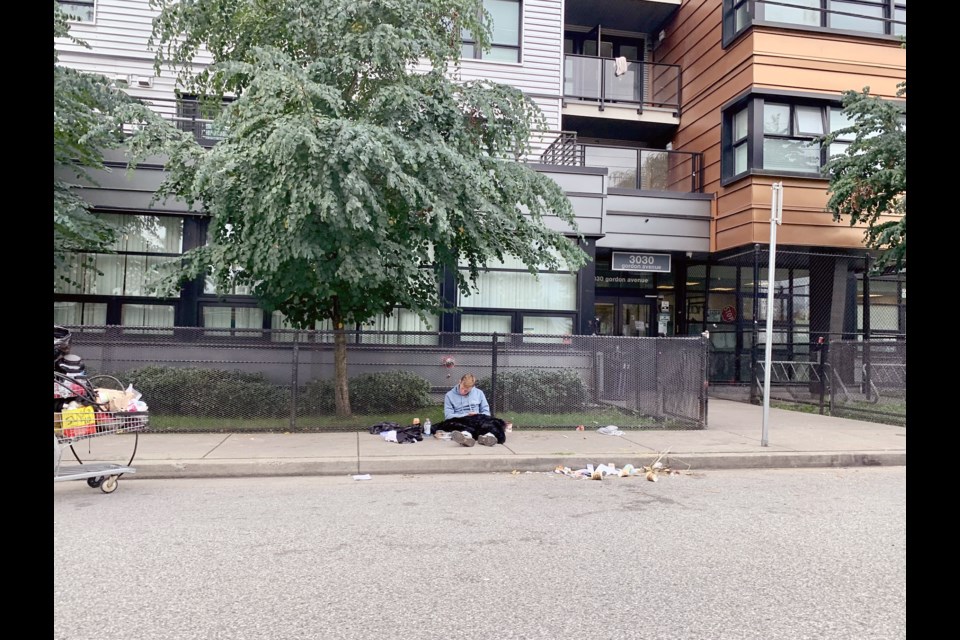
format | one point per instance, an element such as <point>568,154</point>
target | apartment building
<point>668,122</point>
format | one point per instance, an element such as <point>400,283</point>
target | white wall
<point>118,47</point>
<point>118,39</point>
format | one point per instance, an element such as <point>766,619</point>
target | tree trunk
<point>341,389</point>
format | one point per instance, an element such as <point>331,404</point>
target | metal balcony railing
<point>187,115</point>
<point>564,151</point>
<point>644,84</point>
<point>631,167</point>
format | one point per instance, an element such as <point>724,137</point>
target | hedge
<point>538,390</point>
<point>190,391</point>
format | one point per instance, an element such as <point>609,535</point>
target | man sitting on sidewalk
<point>467,415</point>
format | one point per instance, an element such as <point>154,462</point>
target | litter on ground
<point>610,430</point>
<point>651,472</point>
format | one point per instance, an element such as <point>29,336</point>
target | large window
<point>506,33</point>
<point>76,313</point>
<point>888,305</point>
<point>510,299</point>
<point>378,330</point>
<point>224,320</point>
<point>789,137</point>
<point>146,249</point>
<point>79,10</point>
<point>158,317</point>
<point>876,17</point>
<point>778,136</point>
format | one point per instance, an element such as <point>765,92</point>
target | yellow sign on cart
<point>78,422</point>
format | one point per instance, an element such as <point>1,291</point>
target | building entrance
<point>632,316</point>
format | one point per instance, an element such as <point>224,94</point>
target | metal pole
<point>867,387</point>
<point>493,376</point>
<point>294,380</point>
<point>776,217</point>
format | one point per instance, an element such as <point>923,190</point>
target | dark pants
<point>476,426</point>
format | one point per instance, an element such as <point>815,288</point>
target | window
<point>866,16</point>
<point>560,326</point>
<point>521,290</point>
<point>147,248</point>
<point>210,287</point>
<point>224,320</point>
<point>484,323</point>
<point>740,146</point>
<point>400,320</point>
<point>78,313</point>
<point>887,301</point>
<point>510,299</point>
<point>505,33</point>
<point>279,321</point>
<point>785,148</point>
<point>876,17</point>
<point>377,330</point>
<point>147,315</point>
<point>79,10</point>
<point>783,139</point>
<point>839,120</point>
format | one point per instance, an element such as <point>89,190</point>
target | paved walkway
<point>731,441</point>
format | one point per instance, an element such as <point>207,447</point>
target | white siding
<point>118,47</point>
<point>539,74</point>
<point>118,40</point>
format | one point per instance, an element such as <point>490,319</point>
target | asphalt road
<point>722,555</point>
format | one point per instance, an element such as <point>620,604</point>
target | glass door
<point>635,318</point>
<point>625,316</point>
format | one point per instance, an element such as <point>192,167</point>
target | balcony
<point>631,168</point>
<point>643,86</point>
<point>188,115</point>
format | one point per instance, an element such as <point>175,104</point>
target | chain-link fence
<point>196,379</point>
<point>838,340</point>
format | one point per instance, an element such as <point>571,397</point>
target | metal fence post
<point>867,387</point>
<point>823,380</point>
<point>705,371</point>
<point>825,359</point>
<point>493,376</point>
<point>294,380</point>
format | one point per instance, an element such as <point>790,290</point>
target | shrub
<point>538,390</point>
<point>316,398</point>
<point>189,391</point>
<point>370,393</point>
<point>388,391</point>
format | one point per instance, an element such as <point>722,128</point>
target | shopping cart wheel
<point>95,482</point>
<point>109,485</point>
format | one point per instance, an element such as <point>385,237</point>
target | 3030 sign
<point>623,261</point>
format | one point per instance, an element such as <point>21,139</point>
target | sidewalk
<point>731,441</point>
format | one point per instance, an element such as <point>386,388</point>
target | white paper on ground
<point>365,476</point>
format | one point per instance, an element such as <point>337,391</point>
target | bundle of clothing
<point>393,432</point>
<point>476,426</point>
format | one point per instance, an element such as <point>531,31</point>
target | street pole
<point>776,217</point>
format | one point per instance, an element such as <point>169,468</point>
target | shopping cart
<point>81,417</point>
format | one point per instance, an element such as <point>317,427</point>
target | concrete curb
<point>254,468</point>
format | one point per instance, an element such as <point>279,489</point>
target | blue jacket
<point>456,405</point>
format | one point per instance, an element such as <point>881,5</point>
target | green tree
<point>347,183</point>
<point>89,114</point>
<point>869,179</point>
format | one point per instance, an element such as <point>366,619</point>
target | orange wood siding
<point>810,62</point>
